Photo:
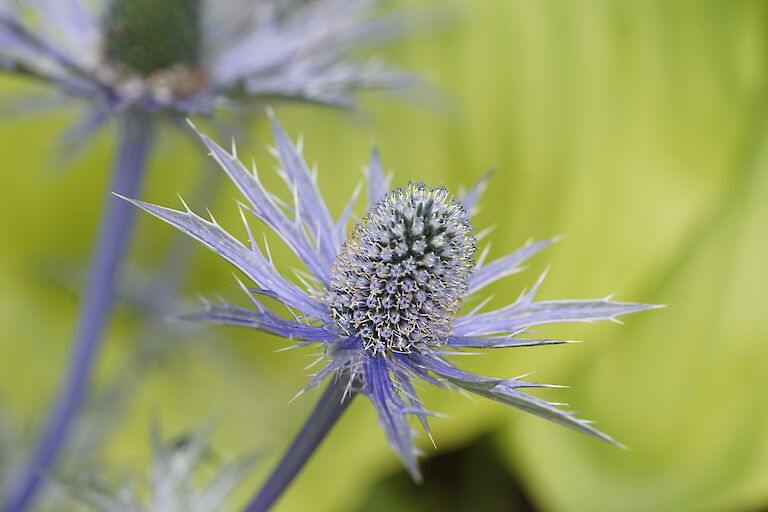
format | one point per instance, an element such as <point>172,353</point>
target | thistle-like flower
<point>385,303</point>
<point>182,57</point>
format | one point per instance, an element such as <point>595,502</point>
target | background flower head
<point>184,57</point>
<point>383,303</point>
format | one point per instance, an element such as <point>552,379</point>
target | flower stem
<point>324,416</point>
<point>134,142</point>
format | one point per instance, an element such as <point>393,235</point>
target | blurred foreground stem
<point>134,142</point>
<point>328,410</point>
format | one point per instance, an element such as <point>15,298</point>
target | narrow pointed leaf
<point>391,411</point>
<point>506,265</point>
<point>227,314</point>
<point>251,263</point>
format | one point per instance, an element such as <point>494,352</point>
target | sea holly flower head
<point>183,57</point>
<point>399,280</point>
<point>385,302</point>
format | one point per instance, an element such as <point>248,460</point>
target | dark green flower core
<point>147,36</point>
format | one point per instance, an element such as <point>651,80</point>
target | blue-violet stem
<point>328,410</point>
<point>134,141</point>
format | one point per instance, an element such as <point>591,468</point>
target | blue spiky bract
<point>383,302</point>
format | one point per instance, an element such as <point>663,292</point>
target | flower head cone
<point>184,57</point>
<point>385,301</point>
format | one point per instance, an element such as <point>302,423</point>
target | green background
<point>637,129</point>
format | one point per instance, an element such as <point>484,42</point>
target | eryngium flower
<point>187,57</point>
<point>384,303</point>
